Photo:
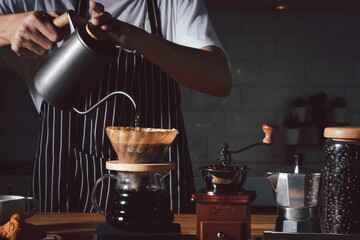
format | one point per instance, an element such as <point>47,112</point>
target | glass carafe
<point>139,196</point>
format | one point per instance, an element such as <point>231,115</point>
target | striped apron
<point>73,148</point>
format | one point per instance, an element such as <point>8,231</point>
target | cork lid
<point>348,132</point>
<point>139,167</point>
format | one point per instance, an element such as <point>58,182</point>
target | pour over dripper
<point>140,145</point>
<point>140,200</point>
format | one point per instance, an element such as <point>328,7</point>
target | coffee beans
<point>341,187</point>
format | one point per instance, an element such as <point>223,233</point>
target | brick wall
<point>274,57</point>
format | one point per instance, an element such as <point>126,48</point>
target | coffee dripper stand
<point>296,194</point>
<point>223,207</point>
<point>140,205</point>
<point>63,81</point>
<point>140,202</point>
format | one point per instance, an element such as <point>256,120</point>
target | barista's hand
<point>121,33</point>
<point>32,34</point>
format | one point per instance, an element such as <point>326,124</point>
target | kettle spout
<point>273,179</point>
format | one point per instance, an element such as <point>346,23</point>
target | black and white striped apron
<point>73,148</point>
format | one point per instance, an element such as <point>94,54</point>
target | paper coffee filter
<point>130,136</point>
<point>140,144</point>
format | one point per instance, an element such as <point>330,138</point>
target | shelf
<point>323,124</point>
<point>320,126</point>
<point>291,149</point>
<point>304,145</point>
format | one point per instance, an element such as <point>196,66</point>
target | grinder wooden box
<point>222,216</point>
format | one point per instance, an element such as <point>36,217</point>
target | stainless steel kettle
<point>296,193</point>
<point>69,73</point>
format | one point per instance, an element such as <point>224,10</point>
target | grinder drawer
<point>225,230</point>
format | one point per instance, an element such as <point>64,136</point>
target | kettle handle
<point>62,20</point>
<point>70,17</point>
<point>93,193</point>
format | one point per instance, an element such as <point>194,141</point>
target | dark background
<point>309,47</point>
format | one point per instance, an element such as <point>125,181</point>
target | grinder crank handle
<point>269,130</point>
<point>226,154</point>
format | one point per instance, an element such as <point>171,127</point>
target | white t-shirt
<point>184,22</point>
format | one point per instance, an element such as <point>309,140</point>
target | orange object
<point>18,229</point>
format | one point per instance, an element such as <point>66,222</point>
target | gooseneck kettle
<point>65,78</point>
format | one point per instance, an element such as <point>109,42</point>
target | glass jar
<point>341,181</point>
<point>139,197</point>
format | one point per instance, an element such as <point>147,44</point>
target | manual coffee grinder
<point>223,207</point>
<point>140,203</point>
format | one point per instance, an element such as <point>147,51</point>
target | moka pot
<point>296,193</point>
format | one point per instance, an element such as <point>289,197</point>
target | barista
<point>161,44</point>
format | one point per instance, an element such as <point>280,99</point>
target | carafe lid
<point>346,132</point>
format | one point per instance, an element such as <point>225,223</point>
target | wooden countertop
<point>82,225</point>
